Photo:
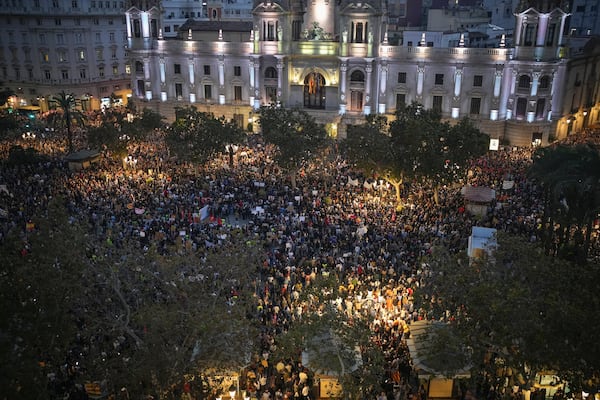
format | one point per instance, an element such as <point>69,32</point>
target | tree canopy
<point>198,136</point>
<point>519,307</point>
<point>297,136</point>
<point>66,114</point>
<point>570,177</point>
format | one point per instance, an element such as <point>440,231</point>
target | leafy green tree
<point>526,310</point>
<point>432,149</point>
<point>39,287</point>
<point>570,177</point>
<point>297,136</point>
<point>66,115</point>
<point>370,148</point>
<point>199,136</point>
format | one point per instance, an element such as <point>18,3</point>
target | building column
<point>383,68</point>
<point>367,100</point>
<point>256,83</point>
<point>420,76</point>
<point>542,30</point>
<point>457,86</point>
<point>279,77</point>
<point>221,62</point>
<point>192,81</point>
<point>343,71</point>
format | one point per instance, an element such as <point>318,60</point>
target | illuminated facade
<point>333,59</point>
<point>76,46</point>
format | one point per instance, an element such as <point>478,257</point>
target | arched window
<point>314,91</point>
<point>545,82</point>
<point>270,73</point>
<point>357,76</point>
<point>524,81</point>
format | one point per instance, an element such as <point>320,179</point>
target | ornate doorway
<point>314,91</point>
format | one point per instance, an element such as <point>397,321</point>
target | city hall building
<point>334,59</point>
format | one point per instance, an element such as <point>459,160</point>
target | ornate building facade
<point>333,59</point>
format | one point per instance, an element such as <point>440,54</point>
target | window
<point>521,107</point>
<point>539,109</point>
<point>30,73</point>
<point>42,38</point>
<point>580,9</point>
<point>270,73</point>
<point>208,92</point>
<point>78,37</point>
<point>400,100</point>
<point>113,54</point>
<point>437,104</point>
<point>544,82</point>
<point>55,4</point>
<point>45,56</point>
<point>178,91</point>
<point>357,76</point>
<point>115,70</point>
<point>271,93</point>
<point>439,79</point>
<point>81,55</point>
<point>98,37</point>
<point>96,21</point>
<point>17,73</point>
<point>475,106</point>
<point>47,74</point>
<point>177,68</point>
<point>237,70</point>
<point>237,91</point>
<point>57,21</point>
<point>550,35</point>
<point>62,56</point>
<point>99,54</point>
<point>139,67</point>
<point>101,72</point>
<point>111,37</point>
<point>137,29</point>
<point>128,69</point>
<point>296,30</point>
<point>60,38</point>
<point>74,4</point>
<point>524,81</point>
<point>82,73</point>
<point>401,77</point>
<point>478,80</point>
<point>530,31</point>
<point>64,73</point>
<point>77,21</point>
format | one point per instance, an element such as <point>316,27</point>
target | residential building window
<point>128,69</point>
<point>439,79</point>
<point>113,54</point>
<point>99,54</point>
<point>55,3</point>
<point>81,55</point>
<point>78,37</point>
<point>111,37</point>
<point>401,77</point>
<point>30,73</point>
<point>177,68</point>
<point>178,91</point>
<point>47,74</point>
<point>82,73</point>
<point>98,37</point>
<point>77,21</point>
<point>207,70</point>
<point>208,92</point>
<point>45,56</point>
<point>96,21</point>
<point>400,100</point>
<point>475,106</point>
<point>437,104</point>
<point>57,21</point>
<point>115,70</point>
<point>478,80</point>
<point>74,4</point>
<point>62,56</point>
<point>17,74</point>
<point>237,70</point>
<point>60,38</point>
<point>237,92</point>
<point>42,38</point>
<point>101,72</point>
<point>64,73</point>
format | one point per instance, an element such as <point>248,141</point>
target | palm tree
<point>66,115</point>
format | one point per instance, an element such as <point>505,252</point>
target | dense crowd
<point>334,221</point>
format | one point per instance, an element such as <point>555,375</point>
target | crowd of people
<point>334,221</point>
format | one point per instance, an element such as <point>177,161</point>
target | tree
<point>432,149</point>
<point>5,94</point>
<point>570,177</point>
<point>199,136</point>
<point>66,115</point>
<point>296,135</point>
<point>371,148</point>
<point>518,308</point>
